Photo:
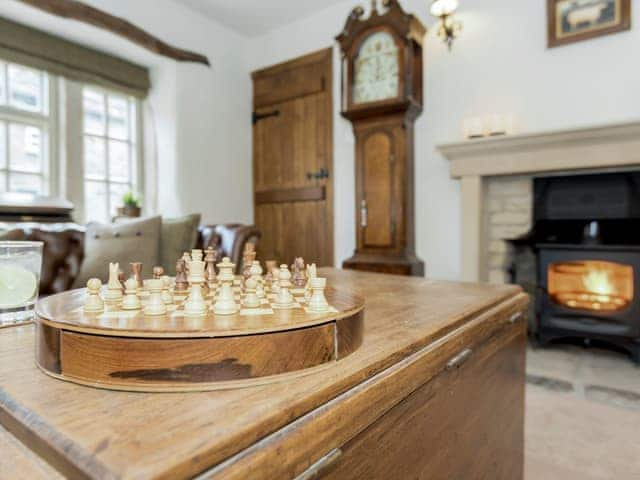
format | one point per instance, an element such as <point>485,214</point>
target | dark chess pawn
<point>181,283</point>
<point>298,278</point>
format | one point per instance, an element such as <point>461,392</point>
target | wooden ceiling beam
<point>75,10</point>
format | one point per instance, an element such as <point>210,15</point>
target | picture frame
<point>570,21</point>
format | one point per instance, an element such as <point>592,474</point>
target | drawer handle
<point>459,359</point>
<point>317,468</point>
<point>516,317</point>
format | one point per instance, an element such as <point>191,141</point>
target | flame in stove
<point>597,281</point>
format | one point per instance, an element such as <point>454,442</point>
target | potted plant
<point>131,205</point>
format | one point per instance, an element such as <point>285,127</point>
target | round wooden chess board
<point>124,350</point>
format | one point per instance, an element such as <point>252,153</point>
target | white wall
<point>500,64</point>
<point>198,116</point>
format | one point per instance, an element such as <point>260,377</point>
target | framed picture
<point>571,21</point>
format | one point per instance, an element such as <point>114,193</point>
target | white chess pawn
<point>167,297</point>
<point>93,303</point>
<point>155,305</point>
<point>131,300</point>
<point>284,299</point>
<point>318,302</point>
<point>113,295</point>
<point>225,303</point>
<point>251,300</point>
<point>256,273</point>
<point>195,305</point>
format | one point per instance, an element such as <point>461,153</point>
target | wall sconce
<point>449,28</point>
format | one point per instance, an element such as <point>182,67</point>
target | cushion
<point>178,235</point>
<point>135,241</point>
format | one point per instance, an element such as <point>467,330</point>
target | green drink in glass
<point>20,264</point>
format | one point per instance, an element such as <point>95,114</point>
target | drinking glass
<point>20,264</point>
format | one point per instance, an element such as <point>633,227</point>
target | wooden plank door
<point>292,159</point>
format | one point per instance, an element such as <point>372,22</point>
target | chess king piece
<point>155,305</point>
<point>131,300</point>
<point>318,302</point>
<point>225,302</point>
<point>196,271</point>
<point>93,303</point>
<point>167,297</point>
<point>113,295</point>
<point>251,299</point>
<point>284,299</point>
<point>136,273</point>
<point>181,284</point>
<point>298,279</point>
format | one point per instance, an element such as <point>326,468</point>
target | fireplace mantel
<point>601,147</point>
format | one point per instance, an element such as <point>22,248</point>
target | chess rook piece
<point>158,272</point>
<point>136,273</point>
<point>318,302</point>
<point>167,298</point>
<point>284,299</point>
<point>298,277</point>
<point>113,295</point>
<point>155,305</point>
<point>251,299</point>
<point>131,300</point>
<point>181,284</point>
<point>93,303</point>
<point>225,303</point>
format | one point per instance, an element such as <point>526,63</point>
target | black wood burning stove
<point>586,241</point>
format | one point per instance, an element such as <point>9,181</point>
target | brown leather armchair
<point>63,250</point>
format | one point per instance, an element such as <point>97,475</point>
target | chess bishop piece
<point>131,300</point>
<point>225,303</point>
<point>284,299</point>
<point>155,305</point>
<point>318,302</point>
<point>93,303</point>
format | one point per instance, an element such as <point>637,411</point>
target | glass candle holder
<point>20,265</point>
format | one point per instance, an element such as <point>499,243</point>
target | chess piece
<point>93,303</point>
<point>248,257</point>
<point>318,302</point>
<point>181,284</point>
<point>113,295</point>
<point>121,278</point>
<point>225,303</point>
<point>186,256</point>
<point>284,299</point>
<point>210,268</point>
<point>155,305</point>
<point>158,272</point>
<point>311,273</point>
<point>167,298</point>
<point>256,274</point>
<point>298,277</point>
<point>196,255</point>
<point>131,300</point>
<point>136,273</point>
<point>270,265</point>
<point>195,305</point>
<point>251,299</point>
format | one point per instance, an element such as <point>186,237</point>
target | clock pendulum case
<point>382,97</point>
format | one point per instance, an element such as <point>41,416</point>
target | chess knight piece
<point>113,295</point>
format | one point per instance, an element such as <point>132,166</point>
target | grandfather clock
<point>382,96</point>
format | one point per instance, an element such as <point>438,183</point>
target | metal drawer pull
<point>515,317</point>
<point>317,468</point>
<point>459,359</point>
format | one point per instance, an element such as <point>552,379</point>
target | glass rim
<point>20,243</point>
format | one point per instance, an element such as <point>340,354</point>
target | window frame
<point>48,123</point>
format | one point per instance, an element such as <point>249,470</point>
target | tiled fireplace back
<point>509,201</point>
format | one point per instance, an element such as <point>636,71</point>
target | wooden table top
<point>140,435</point>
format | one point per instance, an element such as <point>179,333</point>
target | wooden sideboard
<point>436,391</point>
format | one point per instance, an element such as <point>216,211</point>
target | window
<point>25,126</point>
<point>110,153</point>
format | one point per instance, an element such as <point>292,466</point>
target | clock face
<point>376,69</point>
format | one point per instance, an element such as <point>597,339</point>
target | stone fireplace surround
<point>496,183</point>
